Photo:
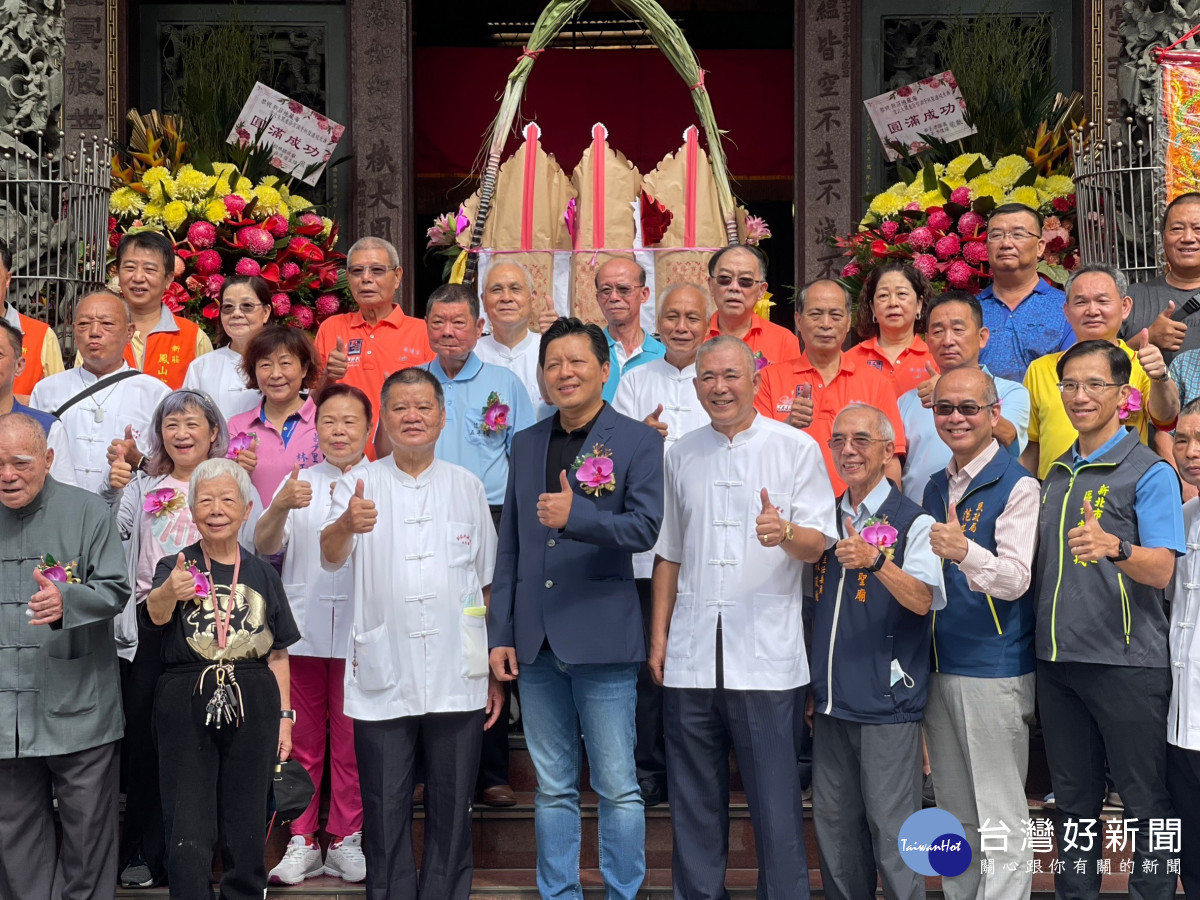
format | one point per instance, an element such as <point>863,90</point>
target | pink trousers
<point>317,693</point>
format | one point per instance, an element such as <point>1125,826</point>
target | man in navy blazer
<point>585,492</point>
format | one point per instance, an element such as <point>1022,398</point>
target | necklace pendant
<point>98,415</point>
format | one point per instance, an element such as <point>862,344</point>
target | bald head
<point>27,429</point>
<point>103,327</point>
<point>970,379</point>
<point>24,460</point>
<point>682,322</point>
<point>965,412</point>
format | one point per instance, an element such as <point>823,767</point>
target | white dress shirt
<point>712,490</point>
<point>522,361</point>
<point>640,392</point>
<point>418,639</point>
<point>1183,715</point>
<point>62,469</point>
<point>320,600</point>
<point>96,421</point>
<point>218,375</point>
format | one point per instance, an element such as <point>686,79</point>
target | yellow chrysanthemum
<point>1026,195</point>
<point>155,175</point>
<point>175,214</point>
<point>215,211</point>
<point>931,198</point>
<point>244,186</point>
<point>1009,169</point>
<point>223,170</point>
<point>954,181</point>
<point>887,204</point>
<point>327,226</point>
<point>986,185</point>
<point>958,166</point>
<point>1059,186</point>
<point>153,213</point>
<point>914,191</point>
<point>126,201</point>
<point>162,191</point>
<point>296,203</point>
<point>269,181</point>
<point>192,184</point>
<point>269,201</point>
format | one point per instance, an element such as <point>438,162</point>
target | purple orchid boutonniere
<point>203,584</point>
<point>53,570</point>
<point>594,472</point>
<point>495,415</point>
<point>1130,406</point>
<point>878,533</point>
<point>163,501</point>
<point>239,442</point>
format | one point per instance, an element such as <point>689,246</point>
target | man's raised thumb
<point>1088,513</point>
<point>340,346</point>
<point>1144,337</point>
<point>657,412</point>
<point>129,432</point>
<point>40,580</point>
<point>359,490</point>
<point>930,369</point>
<point>562,481</point>
<point>295,476</point>
<point>120,453</point>
<point>1169,310</point>
<point>951,514</point>
<point>850,530</point>
<point>766,500</point>
<point>180,563</point>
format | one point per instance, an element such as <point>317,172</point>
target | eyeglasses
<point>1018,235</point>
<point>623,290</point>
<point>858,442</point>
<point>745,282</point>
<point>376,271</point>
<point>1092,388</point>
<point>967,408</point>
<point>244,308</point>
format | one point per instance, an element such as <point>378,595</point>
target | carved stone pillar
<point>89,68</point>
<point>381,128</point>
<point>1101,57</point>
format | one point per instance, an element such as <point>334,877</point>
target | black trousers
<point>1183,781</point>
<point>1091,712</point>
<point>493,757</point>
<point>650,752</point>
<point>143,825</point>
<point>386,752</point>
<point>216,777</point>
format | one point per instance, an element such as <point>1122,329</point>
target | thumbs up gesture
<point>853,552</point>
<point>1088,541</point>
<point>337,363</point>
<point>45,606</point>
<point>548,315</point>
<point>294,493</point>
<point>655,422</point>
<point>132,455</point>
<point>1151,357</point>
<point>121,472</point>
<point>248,458</point>
<point>769,526</point>
<point>554,509</point>
<point>360,514</point>
<point>925,388</point>
<point>801,414</point>
<point>181,583</point>
<point>947,539</point>
<point>1164,332</point>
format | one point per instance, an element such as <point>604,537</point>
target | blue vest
<point>859,628</point>
<point>976,635</point>
<point>44,419</point>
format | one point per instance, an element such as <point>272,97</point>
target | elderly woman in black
<point>222,713</point>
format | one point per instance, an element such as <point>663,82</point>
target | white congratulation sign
<point>932,106</point>
<point>298,136</point>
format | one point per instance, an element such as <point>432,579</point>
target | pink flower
<point>202,234</point>
<point>914,206</point>
<point>938,219</point>
<point>950,82</point>
<point>889,229</point>
<point>961,196</point>
<point>760,361</point>
<point>311,219</point>
<point>295,106</point>
<point>239,442</point>
<point>288,271</point>
<point>947,246</point>
<point>247,266</point>
<point>920,238</point>
<point>162,500</point>
<point>441,233</point>
<point>234,204</point>
<point>257,240</point>
<point>282,304</point>
<point>461,222</point>
<point>969,223</point>
<point>207,262</point>
<point>200,583</point>
<point>243,136</point>
<point>336,134</point>
<point>277,225</point>
<point>756,230</point>
<point>905,91</point>
<point>328,305</point>
<point>960,274</point>
<point>851,269</point>
<point>1052,223</point>
<point>495,416</point>
<point>54,573</point>
<point>974,252</point>
<point>303,316</point>
<point>925,264</point>
<point>880,534</point>
<point>212,287</point>
<point>596,472</point>
<point>180,266</point>
<point>1130,406</point>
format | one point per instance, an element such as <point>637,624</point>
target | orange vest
<point>31,348</point>
<point>168,353</point>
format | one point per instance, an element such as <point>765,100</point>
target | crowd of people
<point>862,566</point>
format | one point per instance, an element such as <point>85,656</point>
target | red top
<point>395,342</point>
<point>907,372</point>
<point>770,343</point>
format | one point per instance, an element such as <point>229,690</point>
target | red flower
<point>970,223</point>
<point>974,252</point>
<point>938,219</point>
<point>889,229</point>
<point>851,269</point>
<point>905,91</point>
<point>211,311</point>
<point>295,106</point>
<point>926,264</point>
<point>176,297</point>
<point>303,316</point>
<point>1056,245</point>
<point>207,262</point>
<point>879,249</point>
<point>305,249</point>
<point>920,238</point>
<point>277,225</point>
<point>947,247</point>
<point>960,275</point>
<point>281,303</point>
<point>1061,204</point>
<point>656,218</point>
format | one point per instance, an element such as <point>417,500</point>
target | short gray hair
<point>720,342</point>
<point>22,422</point>
<point>802,297</point>
<point>176,402</point>
<point>501,261</point>
<point>217,468</point>
<point>1096,268</point>
<point>882,423</point>
<point>111,295</point>
<point>370,242</point>
<point>678,286</point>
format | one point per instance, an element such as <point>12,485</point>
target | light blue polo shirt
<point>463,441</point>
<point>927,453</point>
<point>652,348</point>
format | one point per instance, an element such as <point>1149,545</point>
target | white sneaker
<point>345,859</point>
<point>300,860</point>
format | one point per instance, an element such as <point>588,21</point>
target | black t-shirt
<point>563,448</point>
<point>261,620</point>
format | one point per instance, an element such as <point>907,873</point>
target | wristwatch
<point>878,564</point>
<point>287,714</point>
<point>788,532</point>
<point>1124,551</point>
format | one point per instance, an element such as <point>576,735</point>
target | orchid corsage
<point>239,442</point>
<point>164,501</point>
<point>53,570</point>
<point>201,582</point>
<point>495,415</point>
<point>878,533</point>
<point>1130,406</point>
<point>594,472</point>
<point>760,361</point>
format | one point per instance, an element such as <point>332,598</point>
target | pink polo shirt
<point>275,457</point>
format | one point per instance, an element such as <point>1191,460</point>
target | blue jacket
<point>44,419</point>
<point>575,586</point>
<point>976,635</point>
